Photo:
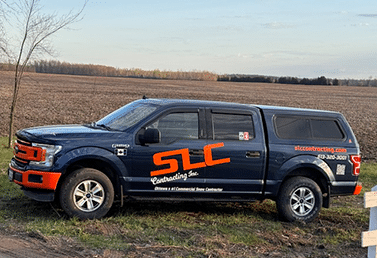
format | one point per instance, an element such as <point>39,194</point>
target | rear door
<point>237,137</point>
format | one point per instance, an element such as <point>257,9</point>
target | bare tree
<point>36,28</point>
<point>3,13</point>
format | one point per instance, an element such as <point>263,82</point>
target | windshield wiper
<point>104,126</point>
<point>96,126</point>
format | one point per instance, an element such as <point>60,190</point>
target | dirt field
<point>61,99</point>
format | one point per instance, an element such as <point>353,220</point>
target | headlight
<point>48,154</point>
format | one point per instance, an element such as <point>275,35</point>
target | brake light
<point>356,161</point>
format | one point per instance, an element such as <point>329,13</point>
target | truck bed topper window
<point>296,127</point>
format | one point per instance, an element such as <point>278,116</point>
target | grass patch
<point>240,235</point>
<point>368,176</point>
<point>9,191</point>
<point>5,154</point>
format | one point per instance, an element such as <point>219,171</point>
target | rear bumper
<point>357,189</point>
<point>34,179</point>
<point>345,188</point>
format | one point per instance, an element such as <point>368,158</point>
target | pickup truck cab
<point>165,149</point>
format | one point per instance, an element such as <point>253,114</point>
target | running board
<point>189,199</point>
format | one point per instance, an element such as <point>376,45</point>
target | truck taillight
<point>356,161</point>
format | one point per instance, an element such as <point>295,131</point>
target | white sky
<point>302,38</point>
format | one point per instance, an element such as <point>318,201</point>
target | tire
<point>87,194</point>
<point>299,199</point>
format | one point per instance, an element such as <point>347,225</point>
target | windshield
<point>127,116</point>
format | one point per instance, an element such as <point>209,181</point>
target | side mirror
<point>151,135</point>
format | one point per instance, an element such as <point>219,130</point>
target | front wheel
<point>87,194</point>
<point>300,199</point>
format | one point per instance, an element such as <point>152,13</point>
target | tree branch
<point>37,28</point>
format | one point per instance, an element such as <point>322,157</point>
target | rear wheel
<point>300,198</point>
<point>87,194</point>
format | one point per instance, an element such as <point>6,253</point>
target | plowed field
<point>61,99</point>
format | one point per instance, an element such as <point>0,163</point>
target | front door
<point>175,165</point>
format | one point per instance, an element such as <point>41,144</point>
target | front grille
<point>20,161</point>
<point>17,165</point>
<point>24,142</point>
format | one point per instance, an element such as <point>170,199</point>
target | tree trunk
<point>11,127</point>
<point>13,107</point>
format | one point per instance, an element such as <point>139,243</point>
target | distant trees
<point>269,79</point>
<point>305,81</point>
<point>246,78</point>
<point>288,80</point>
<point>108,71</point>
<point>57,67</point>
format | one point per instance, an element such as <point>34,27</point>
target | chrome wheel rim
<point>89,195</point>
<point>302,201</point>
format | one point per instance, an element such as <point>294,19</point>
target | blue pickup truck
<point>166,149</point>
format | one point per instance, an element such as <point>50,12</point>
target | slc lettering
<point>173,163</point>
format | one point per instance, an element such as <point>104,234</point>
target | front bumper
<point>39,195</point>
<point>34,179</point>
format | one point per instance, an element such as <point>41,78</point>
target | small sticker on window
<point>243,136</point>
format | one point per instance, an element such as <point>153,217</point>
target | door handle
<point>196,152</point>
<point>253,154</point>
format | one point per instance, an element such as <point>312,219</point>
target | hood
<point>62,132</point>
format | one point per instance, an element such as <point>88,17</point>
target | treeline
<point>283,80</point>
<point>246,78</point>
<point>294,80</point>
<point>12,67</point>
<point>319,81</point>
<point>57,67</point>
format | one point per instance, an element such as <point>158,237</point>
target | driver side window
<point>177,126</point>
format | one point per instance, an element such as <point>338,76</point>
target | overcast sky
<point>303,38</point>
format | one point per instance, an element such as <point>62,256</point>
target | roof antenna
<point>144,97</point>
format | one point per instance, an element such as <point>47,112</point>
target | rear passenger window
<point>294,127</point>
<point>232,127</point>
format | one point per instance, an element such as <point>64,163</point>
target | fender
<point>72,156</point>
<point>297,162</point>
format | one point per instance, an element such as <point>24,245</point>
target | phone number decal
<point>332,157</point>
